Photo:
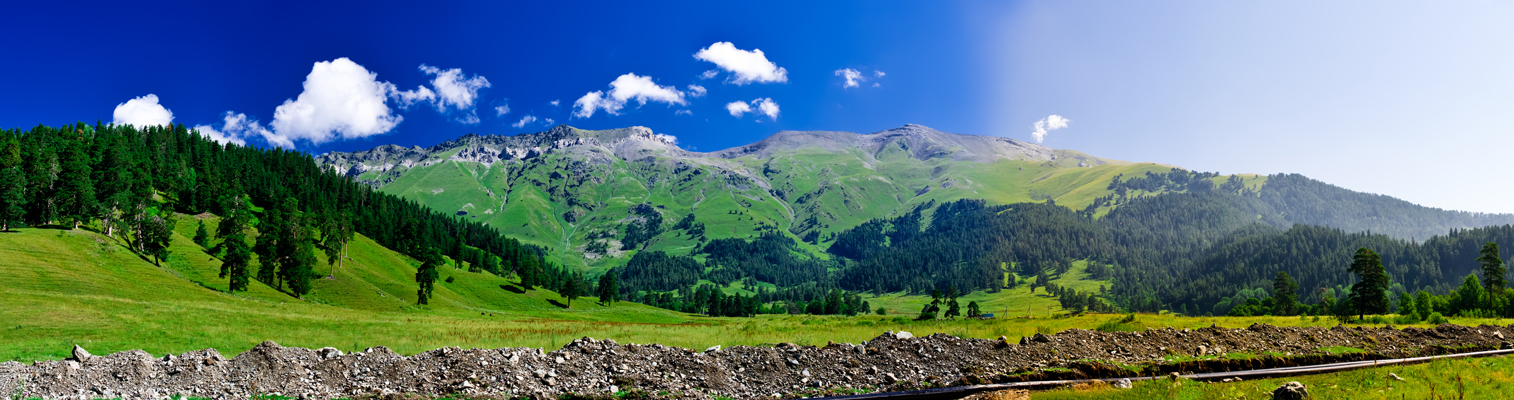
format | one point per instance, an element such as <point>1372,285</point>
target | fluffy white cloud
<point>408,98</point>
<point>341,100</point>
<point>555,103</point>
<point>666,138</point>
<point>709,74</point>
<point>548,121</point>
<point>683,112</point>
<point>697,91</point>
<point>875,84</point>
<point>767,106</point>
<point>501,110</point>
<point>744,66</point>
<point>524,121</point>
<point>142,112</point>
<point>853,78</point>
<point>456,91</point>
<point>736,108</point>
<point>878,74</point>
<point>237,127</point>
<point>1048,124</point>
<point>624,89</point>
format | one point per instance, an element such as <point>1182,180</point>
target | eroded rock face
<point>601,367</point>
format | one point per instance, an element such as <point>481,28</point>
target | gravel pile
<point>599,368</point>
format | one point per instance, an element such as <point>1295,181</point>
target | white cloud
<point>697,91</point>
<point>709,74</point>
<point>501,110</point>
<point>745,66</point>
<point>408,98</point>
<point>624,89</point>
<point>875,84</point>
<point>236,128</point>
<point>555,103</point>
<point>764,105</point>
<point>670,139</point>
<point>341,100</point>
<point>736,108</point>
<point>142,112</point>
<point>767,106</point>
<point>1045,125</point>
<point>456,91</point>
<point>853,78</point>
<point>524,121</point>
<point>683,112</point>
<point>879,74</point>
<point>548,121</point>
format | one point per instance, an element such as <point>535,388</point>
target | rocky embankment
<point>598,368</point>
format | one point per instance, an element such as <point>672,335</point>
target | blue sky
<point>1409,99</point>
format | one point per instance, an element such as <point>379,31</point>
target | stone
<point>328,353</point>
<point>1041,338</point>
<point>1498,335</point>
<point>1123,383</point>
<point>1290,391</point>
<point>903,335</point>
<point>80,354</point>
<point>712,349</point>
<point>1394,376</point>
<point>890,378</point>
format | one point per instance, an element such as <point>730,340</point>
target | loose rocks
<point>589,367</point>
<point>1290,391</point>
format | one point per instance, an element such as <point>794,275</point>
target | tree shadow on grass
<point>557,303</point>
<point>513,289</point>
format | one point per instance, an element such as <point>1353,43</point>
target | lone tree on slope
<point>426,274</point>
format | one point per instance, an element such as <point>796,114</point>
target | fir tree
<point>609,289</point>
<point>202,237</point>
<point>1284,295</point>
<point>426,275</point>
<point>1492,268</point>
<point>572,288</point>
<point>1369,296</point>
<point>77,197</point>
<point>12,186</point>
<point>157,234</point>
<point>236,257</point>
<point>973,310</point>
<point>952,308</point>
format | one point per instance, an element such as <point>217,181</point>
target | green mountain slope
<point>576,191</point>
<point>79,286</point>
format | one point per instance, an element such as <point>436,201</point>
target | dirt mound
<point>600,368</point>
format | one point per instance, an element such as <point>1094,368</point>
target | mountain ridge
<point>578,190</point>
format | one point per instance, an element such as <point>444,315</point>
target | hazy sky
<point>1409,99</point>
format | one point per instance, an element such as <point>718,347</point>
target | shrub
<point>1405,319</point>
<point>1436,319</point>
<point>449,279</point>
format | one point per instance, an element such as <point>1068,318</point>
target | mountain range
<point>595,196</point>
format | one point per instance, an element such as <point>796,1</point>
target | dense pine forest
<point>128,183</point>
<point>1173,241</point>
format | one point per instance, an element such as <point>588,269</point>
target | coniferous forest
<point>1174,241</point>
<point>278,205</point>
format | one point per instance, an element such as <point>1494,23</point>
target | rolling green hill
<point>568,188</point>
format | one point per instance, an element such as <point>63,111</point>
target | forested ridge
<point>278,204</point>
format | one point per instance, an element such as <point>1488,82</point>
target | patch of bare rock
<point>592,368</point>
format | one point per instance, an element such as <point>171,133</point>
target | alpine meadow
<point>787,200</point>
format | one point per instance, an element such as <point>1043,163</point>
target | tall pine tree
<point>426,275</point>
<point>1492,268</point>
<point>1369,295</point>
<point>12,186</point>
<point>236,257</point>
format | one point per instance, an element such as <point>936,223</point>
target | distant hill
<point>577,191</point>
